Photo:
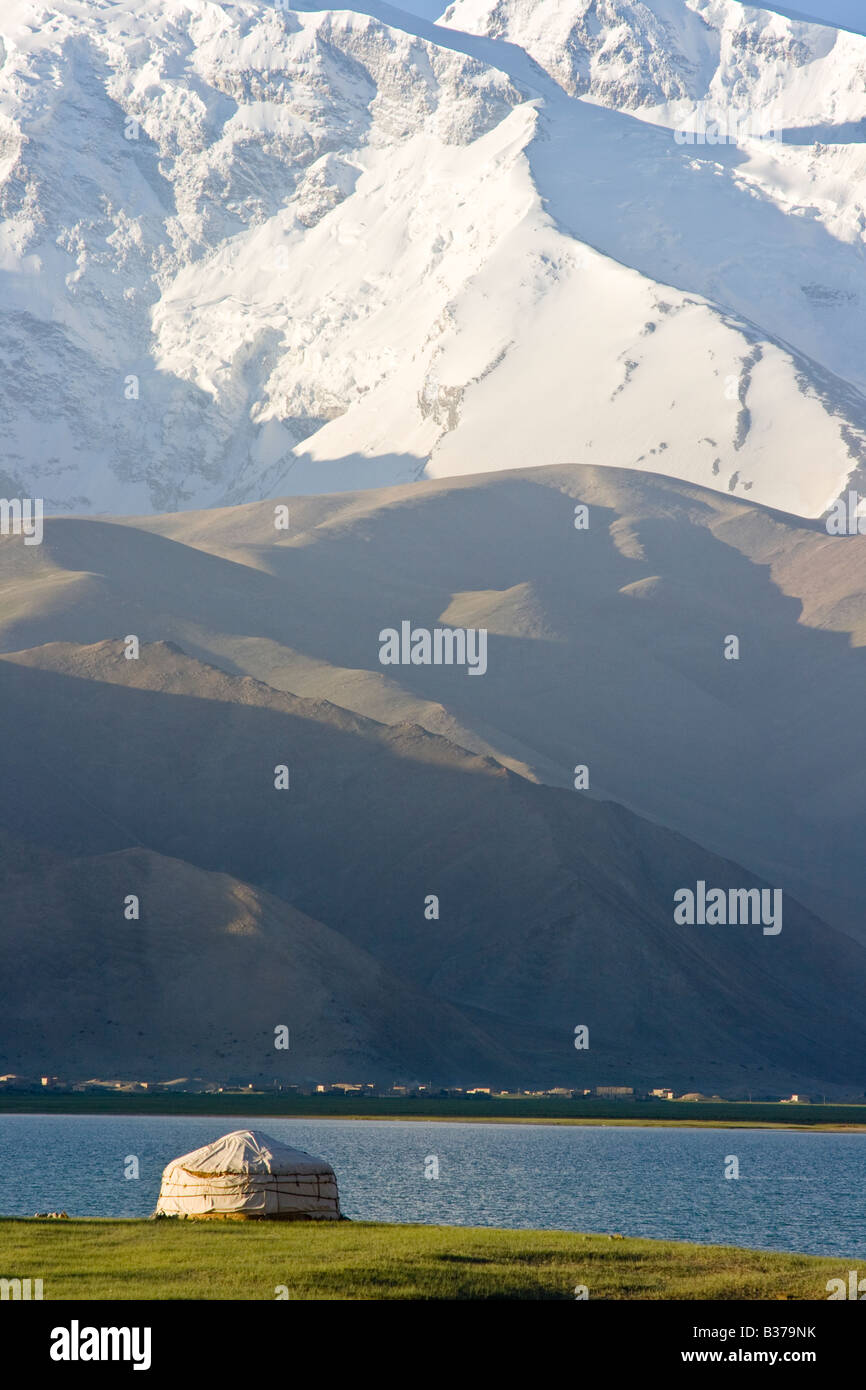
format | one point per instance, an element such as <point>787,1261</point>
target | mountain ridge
<point>311,251</point>
<point>620,628</point>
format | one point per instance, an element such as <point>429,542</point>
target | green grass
<point>261,1105</point>
<point>108,1259</point>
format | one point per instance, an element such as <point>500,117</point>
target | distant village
<point>186,1085</point>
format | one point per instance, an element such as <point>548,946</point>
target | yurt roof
<point>249,1151</point>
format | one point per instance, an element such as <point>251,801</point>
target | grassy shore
<point>107,1259</point>
<point>490,1109</point>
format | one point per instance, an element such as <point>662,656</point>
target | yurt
<point>249,1175</point>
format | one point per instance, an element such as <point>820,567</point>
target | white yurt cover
<point>249,1174</point>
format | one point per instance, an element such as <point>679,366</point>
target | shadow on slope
<point>554,910</point>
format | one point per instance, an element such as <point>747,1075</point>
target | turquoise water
<point>796,1191</point>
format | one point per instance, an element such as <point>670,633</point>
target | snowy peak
<point>248,250</point>
<point>195,135</point>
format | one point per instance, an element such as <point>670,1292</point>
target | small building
<point>247,1175</point>
<point>615,1092</point>
<point>349,1088</point>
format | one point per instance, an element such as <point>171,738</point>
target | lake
<point>796,1191</point>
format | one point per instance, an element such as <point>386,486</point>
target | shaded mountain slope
<point>199,982</point>
<point>554,910</point>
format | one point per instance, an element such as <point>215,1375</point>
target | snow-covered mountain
<point>249,250</point>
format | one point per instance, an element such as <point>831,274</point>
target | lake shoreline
<point>261,1106</point>
<point>130,1107</point>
